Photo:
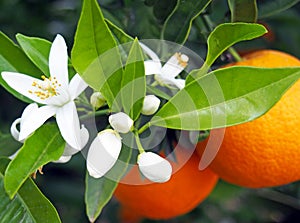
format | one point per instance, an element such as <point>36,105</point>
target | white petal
<point>174,66</point>
<point>179,83</point>
<point>70,151</point>
<point>120,122</point>
<point>37,117</point>
<point>14,155</point>
<point>14,130</point>
<point>63,159</point>
<point>31,108</point>
<point>68,123</point>
<point>172,82</point>
<point>152,67</point>
<point>150,53</point>
<point>58,61</point>
<point>103,153</point>
<point>150,105</point>
<point>76,86</point>
<point>22,83</point>
<point>84,136</point>
<point>154,167</point>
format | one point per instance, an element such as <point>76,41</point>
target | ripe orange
<point>187,187</point>
<point>264,152</point>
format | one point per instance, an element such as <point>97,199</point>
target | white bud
<point>63,159</point>
<point>154,167</point>
<point>150,105</point>
<point>103,153</point>
<point>97,100</point>
<point>121,122</point>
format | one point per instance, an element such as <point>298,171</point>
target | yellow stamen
<point>182,59</point>
<point>45,88</point>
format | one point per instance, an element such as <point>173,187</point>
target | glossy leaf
<point>226,97</point>
<point>99,191</point>
<point>273,7</point>
<point>157,92</point>
<point>184,13</point>
<point>120,36</point>
<point>243,10</point>
<point>44,146</point>
<point>29,205</point>
<point>95,55</point>
<point>12,58</point>
<point>223,37</point>
<point>134,82</point>
<point>37,50</point>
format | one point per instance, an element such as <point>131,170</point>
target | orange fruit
<point>264,152</point>
<point>187,187</point>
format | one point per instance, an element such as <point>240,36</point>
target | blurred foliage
<point>64,184</point>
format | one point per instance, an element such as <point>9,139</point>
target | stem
<point>144,127</point>
<point>138,143</point>
<point>235,54</point>
<point>154,84</point>
<point>97,113</point>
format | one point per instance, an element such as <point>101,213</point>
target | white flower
<point>55,92</point>
<point>120,122</point>
<point>97,100</point>
<point>68,150</point>
<point>165,75</point>
<point>154,167</point>
<point>150,105</point>
<point>103,153</point>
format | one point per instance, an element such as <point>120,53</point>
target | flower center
<point>182,59</point>
<point>45,88</point>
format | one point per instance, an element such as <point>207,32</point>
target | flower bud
<point>121,122</point>
<point>97,100</point>
<point>103,153</point>
<point>150,105</point>
<point>154,167</point>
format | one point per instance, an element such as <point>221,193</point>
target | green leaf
<point>37,50</point>
<point>12,58</point>
<point>134,82</point>
<point>223,37</point>
<point>243,10</point>
<point>157,92</point>
<point>99,191</point>
<point>226,97</point>
<point>44,146</point>
<point>273,7</point>
<point>29,205</point>
<point>122,39</point>
<point>95,55</point>
<point>184,13</point>
<point>120,36</point>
